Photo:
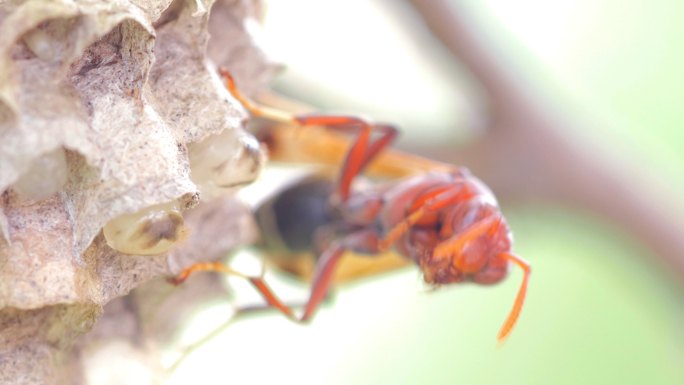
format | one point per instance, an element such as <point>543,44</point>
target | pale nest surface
<point>100,104</point>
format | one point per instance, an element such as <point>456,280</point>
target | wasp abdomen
<point>290,220</point>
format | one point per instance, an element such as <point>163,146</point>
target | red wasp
<point>446,221</point>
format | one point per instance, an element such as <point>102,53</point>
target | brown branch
<point>530,155</point>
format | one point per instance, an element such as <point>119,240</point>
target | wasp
<point>439,217</point>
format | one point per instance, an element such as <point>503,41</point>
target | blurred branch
<point>528,154</point>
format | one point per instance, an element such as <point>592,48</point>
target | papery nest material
<point>118,90</point>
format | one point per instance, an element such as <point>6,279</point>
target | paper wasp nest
<point>101,103</point>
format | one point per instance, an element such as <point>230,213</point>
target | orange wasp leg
<point>361,152</point>
<point>319,289</point>
<point>363,241</point>
<point>253,108</point>
<point>322,278</point>
<point>257,282</point>
<point>519,299</point>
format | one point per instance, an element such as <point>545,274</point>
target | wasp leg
<point>253,108</point>
<point>237,315</point>
<point>364,241</point>
<point>361,152</point>
<point>257,282</point>
<point>322,278</point>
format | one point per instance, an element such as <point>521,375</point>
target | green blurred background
<point>601,308</point>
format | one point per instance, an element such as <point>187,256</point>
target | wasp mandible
<point>445,221</point>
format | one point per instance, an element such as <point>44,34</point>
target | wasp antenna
<point>519,299</point>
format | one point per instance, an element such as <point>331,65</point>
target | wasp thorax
<point>225,161</point>
<point>153,230</point>
<point>45,176</point>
